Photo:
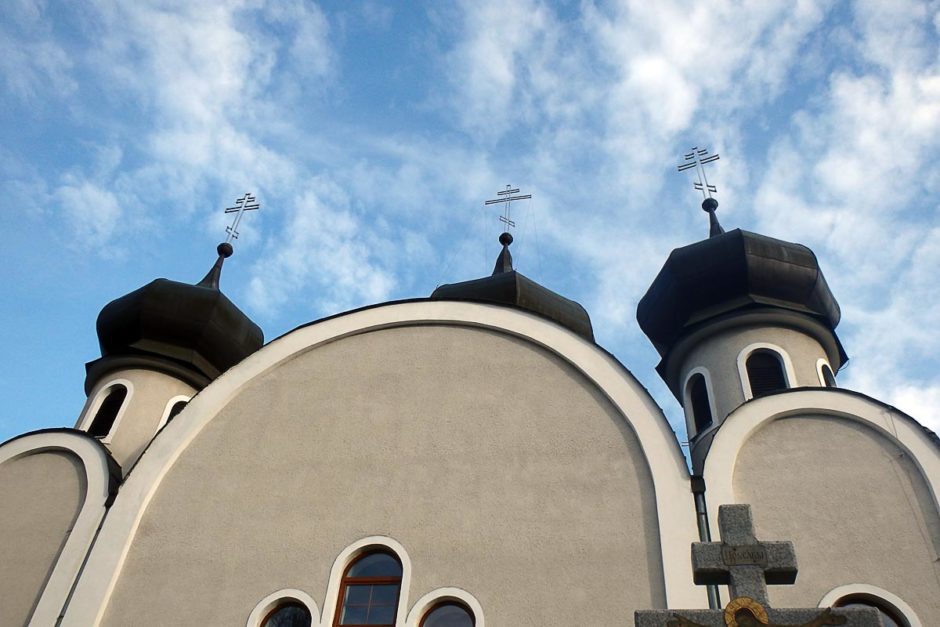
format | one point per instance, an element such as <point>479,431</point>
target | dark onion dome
<point>191,331</point>
<point>732,272</point>
<point>508,287</point>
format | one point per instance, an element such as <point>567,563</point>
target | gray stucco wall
<point>855,506</point>
<point>499,468</point>
<point>41,494</point>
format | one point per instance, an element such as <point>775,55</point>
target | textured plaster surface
<point>719,354</point>
<point>855,506</point>
<point>495,464</point>
<point>42,494</point>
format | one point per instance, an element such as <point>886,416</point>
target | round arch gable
<point>745,421</point>
<point>668,468</point>
<point>101,474</point>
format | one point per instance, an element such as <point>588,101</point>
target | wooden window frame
<point>346,581</point>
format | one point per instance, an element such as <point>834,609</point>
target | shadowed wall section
<point>42,494</point>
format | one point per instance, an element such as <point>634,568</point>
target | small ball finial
<point>225,250</point>
<point>709,204</point>
<point>505,239</point>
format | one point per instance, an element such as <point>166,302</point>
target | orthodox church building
<point>469,458</point>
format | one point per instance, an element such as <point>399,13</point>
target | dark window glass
<point>176,409</point>
<point>108,411</point>
<point>701,408</point>
<point>369,591</point>
<point>889,617</point>
<point>288,615</point>
<point>765,371</point>
<point>448,614</point>
<point>828,377</point>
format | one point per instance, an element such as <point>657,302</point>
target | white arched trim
<point>274,599</point>
<point>93,506</point>
<point>95,402</point>
<point>674,504</point>
<point>442,595</point>
<point>749,418</point>
<point>782,355</point>
<point>824,363</point>
<point>878,595</point>
<point>687,399</point>
<point>169,407</point>
<point>348,556</point>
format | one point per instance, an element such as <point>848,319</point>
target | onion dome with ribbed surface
<point>190,331</point>
<point>508,287</point>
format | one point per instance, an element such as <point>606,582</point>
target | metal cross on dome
<point>697,159</point>
<point>243,204</point>
<point>507,197</point>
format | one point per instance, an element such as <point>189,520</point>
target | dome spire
<point>504,261</point>
<point>697,159</point>
<point>225,249</point>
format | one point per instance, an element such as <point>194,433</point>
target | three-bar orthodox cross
<point>243,204</point>
<point>507,197</point>
<point>697,159</point>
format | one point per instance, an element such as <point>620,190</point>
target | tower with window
<point>739,316</point>
<point>160,345</point>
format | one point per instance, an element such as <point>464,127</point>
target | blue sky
<point>372,132</point>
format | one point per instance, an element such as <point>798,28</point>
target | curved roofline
<point>920,443</point>
<point>661,449</point>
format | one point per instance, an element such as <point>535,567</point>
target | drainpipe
<point>704,534</point>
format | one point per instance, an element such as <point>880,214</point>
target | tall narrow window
<point>765,372</point>
<point>108,411</point>
<point>288,614</point>
<point>828,378</point>
<point>178,406</point>
<point>448,614</point>
<point>369,591</point>
<point>701,407</point>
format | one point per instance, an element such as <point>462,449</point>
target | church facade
<point>472,458</point>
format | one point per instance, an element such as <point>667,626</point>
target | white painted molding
<point>691,431</point>
<point>674,503</point>
<point>879,595</point>
<point>274,599</point>
<point>782,355</point>
<point>348,556</point>
<point>749,418</point>
<point>442,595</point>
<point>97,490</point>
<point>169,407</point>
<point>92,408</point>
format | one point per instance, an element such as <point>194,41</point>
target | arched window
<point>288,614</point>
<point>829,379</point>
<point>369,591</point>
<point>108,411</point>
<point>698,399</point>
<point>889,616</point>
<point>765,373</point>
<point>448,614</point>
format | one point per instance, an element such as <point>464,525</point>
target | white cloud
<point>93,212</point>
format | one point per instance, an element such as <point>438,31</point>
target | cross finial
<point>507,197</point>
<point>243,204</point>
<point>742,562</point>
<point>697,159</point>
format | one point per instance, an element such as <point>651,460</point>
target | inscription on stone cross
<point>747,565</point>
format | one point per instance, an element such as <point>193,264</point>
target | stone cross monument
<point>747,566</point>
